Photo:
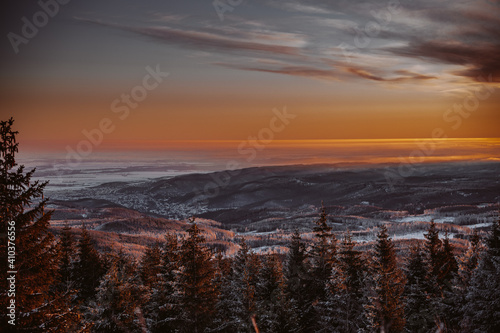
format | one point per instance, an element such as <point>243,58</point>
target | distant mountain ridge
<point>257,195</point>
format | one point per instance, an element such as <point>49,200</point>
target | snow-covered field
<point>480,225</point>
<point>426,218</point>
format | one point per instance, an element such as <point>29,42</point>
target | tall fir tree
<point>273,310</point>
<point>448,264</point>
<point>88,268</point>
<point>163,308</point>
<point>151,265</point>
<point>387,308</point>
<point>454,300</point>
<point>346,299</point>
<point>482,307</point>
<point>67,259</point>
<point>29,250</point>
<point>224,306</point>
<point>469,261</point>
<point>298,283</point>
<point>198,292</point>
<point>433,257</point>
<point>449,303</point>
<point>322,255</point>
<point>237,301</point>
<point>419,312</point>
<point>117,305</point>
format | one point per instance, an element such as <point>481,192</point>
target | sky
<point>129,74</point>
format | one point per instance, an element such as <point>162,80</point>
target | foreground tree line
<point>180,285</point>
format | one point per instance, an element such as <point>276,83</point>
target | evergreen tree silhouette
<point>89,267</point>
<point>419,313</point>
<point>387,310</point>
<point>482,308</point>
<point>39,307</point>
<point>198,292</point>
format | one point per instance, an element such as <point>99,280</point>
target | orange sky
<point>49,122</point>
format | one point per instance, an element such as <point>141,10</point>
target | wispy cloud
<point>402,75</point>
<point>203,40</point>
<point>301,7</point>
<point>465,38</point>
<point>302,71</point>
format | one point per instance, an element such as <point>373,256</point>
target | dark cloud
<point>468,38</point>
<point>477,60</point>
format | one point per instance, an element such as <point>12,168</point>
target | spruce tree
<point>273,311</point>
<point>198,292</point>
<point>298,283</point>
<point>163,309</point>
<point>454,299</point>
<point>89,267</point>
<point>448,265</point>
<point>237,301</point>
<point>151,266</point>
<point>469,261</point>
<point>117,305</point>
<point>434,260</point>
<point>346,299</point>
<point>482,306</point>
<point>387,308</point>
<point>30,252</point>
<point>224,306</point>
<point>419,312</point>
<point>322,255</point>
<point>67,259</point>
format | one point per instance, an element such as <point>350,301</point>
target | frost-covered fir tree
<point>117,305</point>
<point>343,310</point>
<point>151,266</point>
<point>449,265</point>
<point>454,300</point>
<point>223,276</point>
<point>452,291</point>
<point>322,254</point>
<point>39,306</point>
<point>387,306</point>
<point>419,312</point>
<point>482,306</point>
<point>67,249</point>
<point>440,259</point>
<point>237,300</point>
<point>88,268</point>
<point>196,283</point>
<point>298,283</point>
<point>273,308</point>
<point>469,261</point>
<point>163,308</point>
<point>433,258</point>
